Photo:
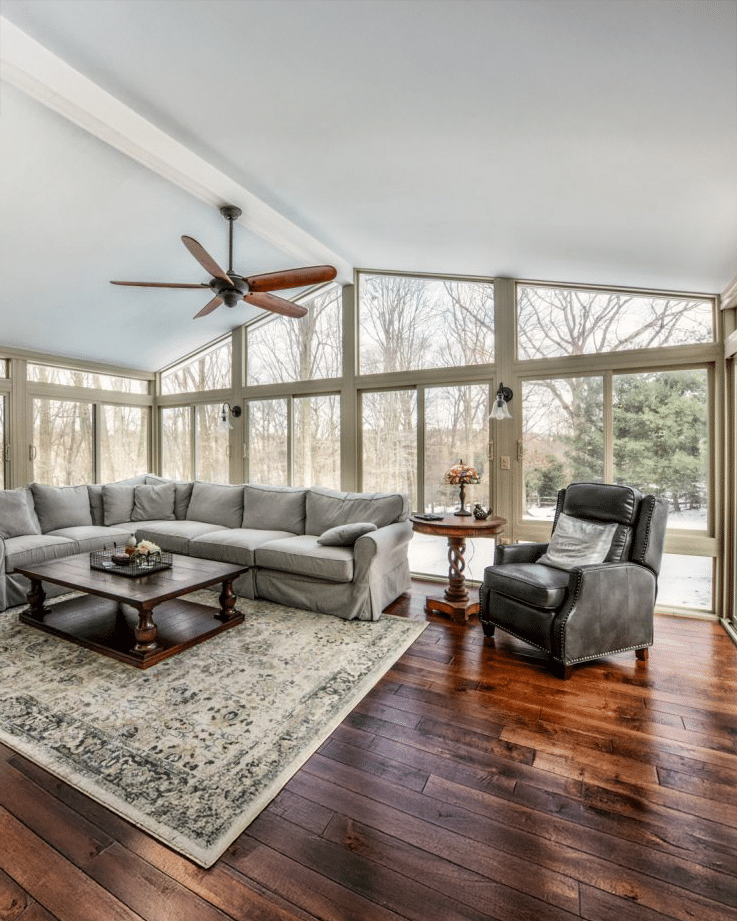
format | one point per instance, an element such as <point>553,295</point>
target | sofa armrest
<point>518,553</point>
<point>382,541</point>
<point>609,608</point>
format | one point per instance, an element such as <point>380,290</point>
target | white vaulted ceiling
<point>570,141</point>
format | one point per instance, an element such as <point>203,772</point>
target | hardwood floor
<point>468,784</point>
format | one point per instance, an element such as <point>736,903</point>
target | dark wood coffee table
<point>115,616</point>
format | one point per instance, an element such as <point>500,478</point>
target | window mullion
<point>608,428</point>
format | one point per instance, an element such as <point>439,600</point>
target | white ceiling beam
<point>32,68</point>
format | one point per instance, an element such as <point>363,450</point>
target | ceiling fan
<point>229,287</point>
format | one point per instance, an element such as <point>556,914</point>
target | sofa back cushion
<point>61,506</point>
<point>97,505</point>
<point>16,517</point>
<point>274,508</point>
<point>117,502</point>
<point>182,493</point>
<point>327,508</point>
<point>154,503</point>
<point>216,504</point>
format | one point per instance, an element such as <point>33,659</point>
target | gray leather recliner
<point>589,611</point>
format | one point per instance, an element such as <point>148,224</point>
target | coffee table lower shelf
<point>108,627</point>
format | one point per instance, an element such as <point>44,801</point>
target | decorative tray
<point>119,562</point>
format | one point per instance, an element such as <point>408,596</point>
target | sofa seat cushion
<point>36,548</point>
<point>171,535</point>
<point>303,555</point>
<point>530,583</point>
<point>236,545</point>
<point>92,537</point>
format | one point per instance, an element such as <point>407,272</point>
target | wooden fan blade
<point>275,304</point>
<point>291,278</point>
<point>157,284</point>
<point>209,307</point>
<point>205,259</point>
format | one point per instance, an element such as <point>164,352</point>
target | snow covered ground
<point>685,581</point>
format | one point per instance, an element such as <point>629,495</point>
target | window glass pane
<point>289,349</point>
<point>123,442</point>
<point>210,370</point>
<point>317,441</point>
<point>411,323</point>
<point>574,321</point>
<point>3,367</point>
<point>563,438</point>
<point>70,377</point>
<point>63,438</point>
<point>176,443</point>
<point>661,440</point>
<point>456,428</point>
<point>267,442</point>
<point>686,581</point>
<point>211,445</point>
<point>389,425</point>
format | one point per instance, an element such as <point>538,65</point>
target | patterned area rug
<point>192,749</point>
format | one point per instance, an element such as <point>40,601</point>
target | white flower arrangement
<point>147,548</point>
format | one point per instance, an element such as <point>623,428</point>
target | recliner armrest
<point>609,609</point>
<point>518,553</point>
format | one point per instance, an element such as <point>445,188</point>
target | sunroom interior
<point>618,350</point>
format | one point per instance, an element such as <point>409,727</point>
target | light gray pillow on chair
<point>576,542</point>
<point>345,535</point>
<point>15,515</point>
<point>154,503</point>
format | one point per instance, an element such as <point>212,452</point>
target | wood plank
<point>53,880</point>
<point>13,899</point>
<point>469,782</point>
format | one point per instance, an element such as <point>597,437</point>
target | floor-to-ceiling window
<point>292,401</point>
<point>425,364</point>
<point>624,394</point>
<point>86,426</point>
<point>195,396</point>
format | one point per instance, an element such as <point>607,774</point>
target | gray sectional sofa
<point>339,553</point>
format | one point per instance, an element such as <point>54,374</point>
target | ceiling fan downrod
<point>231,214</point>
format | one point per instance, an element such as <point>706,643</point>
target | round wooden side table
<point>456,528</point>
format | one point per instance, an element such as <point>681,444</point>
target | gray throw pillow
<point>216,504</point>
<point>61,506</point>
<point>117,500</point>
<point>154,503</point>
<point>576,542</point>
<point>15,515</point>
<point>345,535</point>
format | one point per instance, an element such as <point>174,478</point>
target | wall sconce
<point>500,410</point>
<point>225,409</point>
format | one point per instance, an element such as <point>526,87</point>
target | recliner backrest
<point>604,503</point>
<point>641,520</point>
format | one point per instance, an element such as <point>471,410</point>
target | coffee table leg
<point>36,597</point>
<point>146,630</point>
<point>227,599</point>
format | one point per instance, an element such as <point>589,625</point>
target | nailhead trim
<point>512,633</point>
